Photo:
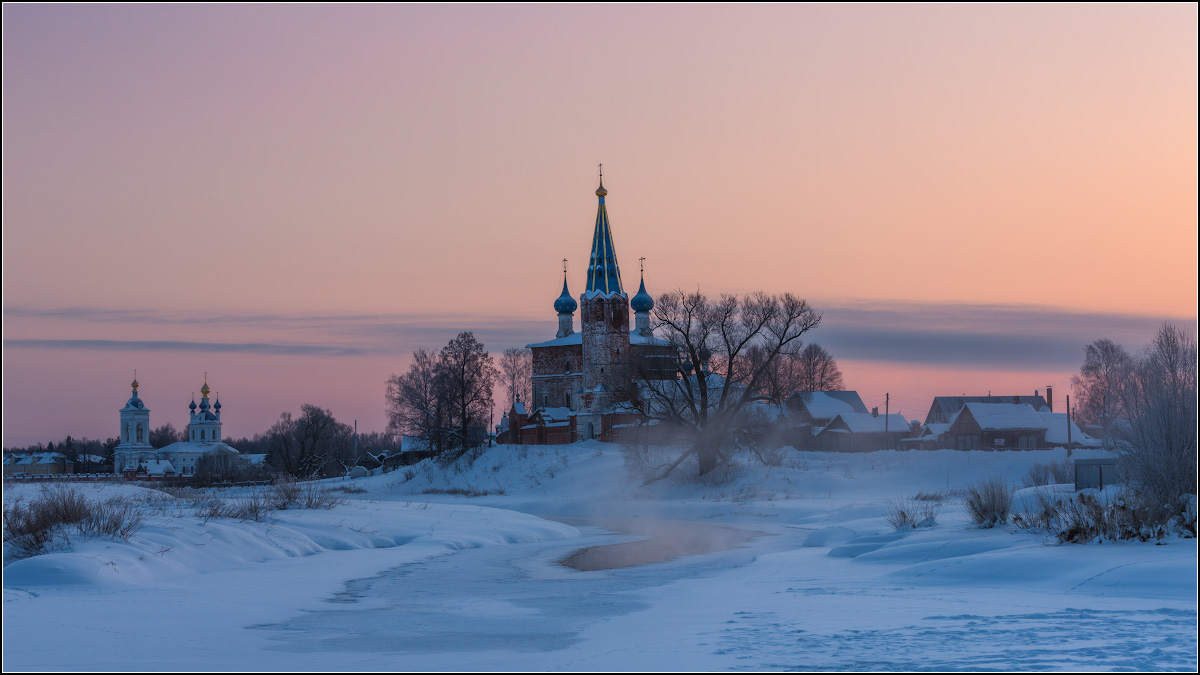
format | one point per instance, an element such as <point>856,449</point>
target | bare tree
<point>516,372</point>
<point>723,352</point>
<point>1099,395</point>
<point>468,374</point>
<point>1159,445</point>
<point>303,446</point>
<point>818,370</point>
<point>417,404</point>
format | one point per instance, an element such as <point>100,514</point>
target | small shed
<point>1096,473</point>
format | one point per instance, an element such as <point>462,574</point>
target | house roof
<point>998,416</point>
<point>945,407</point>
<point>1056,429</point>
<point>866,423</point>
<point>199,448</point>
<point>825,405</point>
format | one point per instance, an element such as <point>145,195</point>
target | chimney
<point>1050,398</point>
<point>875,411</point>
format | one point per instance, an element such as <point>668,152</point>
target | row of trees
<point>445,398</point>
<point>1146,406</point>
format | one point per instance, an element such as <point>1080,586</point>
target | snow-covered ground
<point>401,579</point>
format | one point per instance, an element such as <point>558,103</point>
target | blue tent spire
<point>603,275</point>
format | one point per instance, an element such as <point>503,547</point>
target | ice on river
<point>815,579</point>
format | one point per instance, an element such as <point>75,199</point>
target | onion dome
<point>134,401</point>
<point>192,405</point>
<point>642,302</point>
<point>565,304</point>
<point>217,405</point>
<point>204,390</point>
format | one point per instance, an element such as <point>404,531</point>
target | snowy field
<point>401,579</point>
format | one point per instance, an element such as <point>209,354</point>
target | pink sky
<point>270,181</point>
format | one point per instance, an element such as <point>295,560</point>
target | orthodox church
<point>584,384</point>
<point>134,456</point>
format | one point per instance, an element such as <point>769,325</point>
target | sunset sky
<point>293,198</point>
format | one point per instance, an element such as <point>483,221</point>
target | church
<point>134,457</point>
<point>585,383</point>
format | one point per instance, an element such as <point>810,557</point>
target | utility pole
<point>887,404</point>
<point>1068,425</point>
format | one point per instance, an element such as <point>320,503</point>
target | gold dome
<point>600,191</point>
<point>135,384</point>
<point>204,390</point>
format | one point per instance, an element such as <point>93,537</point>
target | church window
<point>201,434</point>
<point>139,432</point>
<point>126,432</point>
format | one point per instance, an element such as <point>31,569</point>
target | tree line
<point>1145,406</point>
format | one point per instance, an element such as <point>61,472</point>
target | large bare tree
<point>516,372</point>
<point>818,371</point>
<point>416,401</point>
<point>1099,386</point>
<point>1159,442</point>
<point>303,446</point>
<point>468,374</point>
<point>723,352</point>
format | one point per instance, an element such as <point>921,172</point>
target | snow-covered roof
<point>197,448</point>
<point>825,405</point>
<point>519,407</point>
<point>1056,429</point>
<point>1004,416</point>
<point>157,467</point>
<point>556,414</point>
<point>866,423</point>
<point>934,430</point>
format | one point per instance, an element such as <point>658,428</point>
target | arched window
<point>127,432</point>
<point>201,434</point>
<point>139,432</point>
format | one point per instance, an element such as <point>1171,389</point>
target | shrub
<point>30,527</point>
<point>254,506</point>
<point>911,513</point>
<point>313,496</point>
<point>113,518</point>
<point>284,493</point>
<point>1089,515</point>
<point>989,502</point>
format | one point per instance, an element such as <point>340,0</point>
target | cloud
<point>1017,336</point>
<point>945,334</point>
<point>169,346</point>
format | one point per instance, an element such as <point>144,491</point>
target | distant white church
<point>135,456</point>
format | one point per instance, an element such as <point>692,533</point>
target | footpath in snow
<point>462,570</point>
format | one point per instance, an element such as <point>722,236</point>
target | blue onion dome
<point>642,302</point>
<point>192,405</point>
<point>204,403</point>
<point>217,405</point>
<point>565,304</point>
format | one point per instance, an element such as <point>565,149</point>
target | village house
<point>863,432</point>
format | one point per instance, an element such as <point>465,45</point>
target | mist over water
<point>665,541</point>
